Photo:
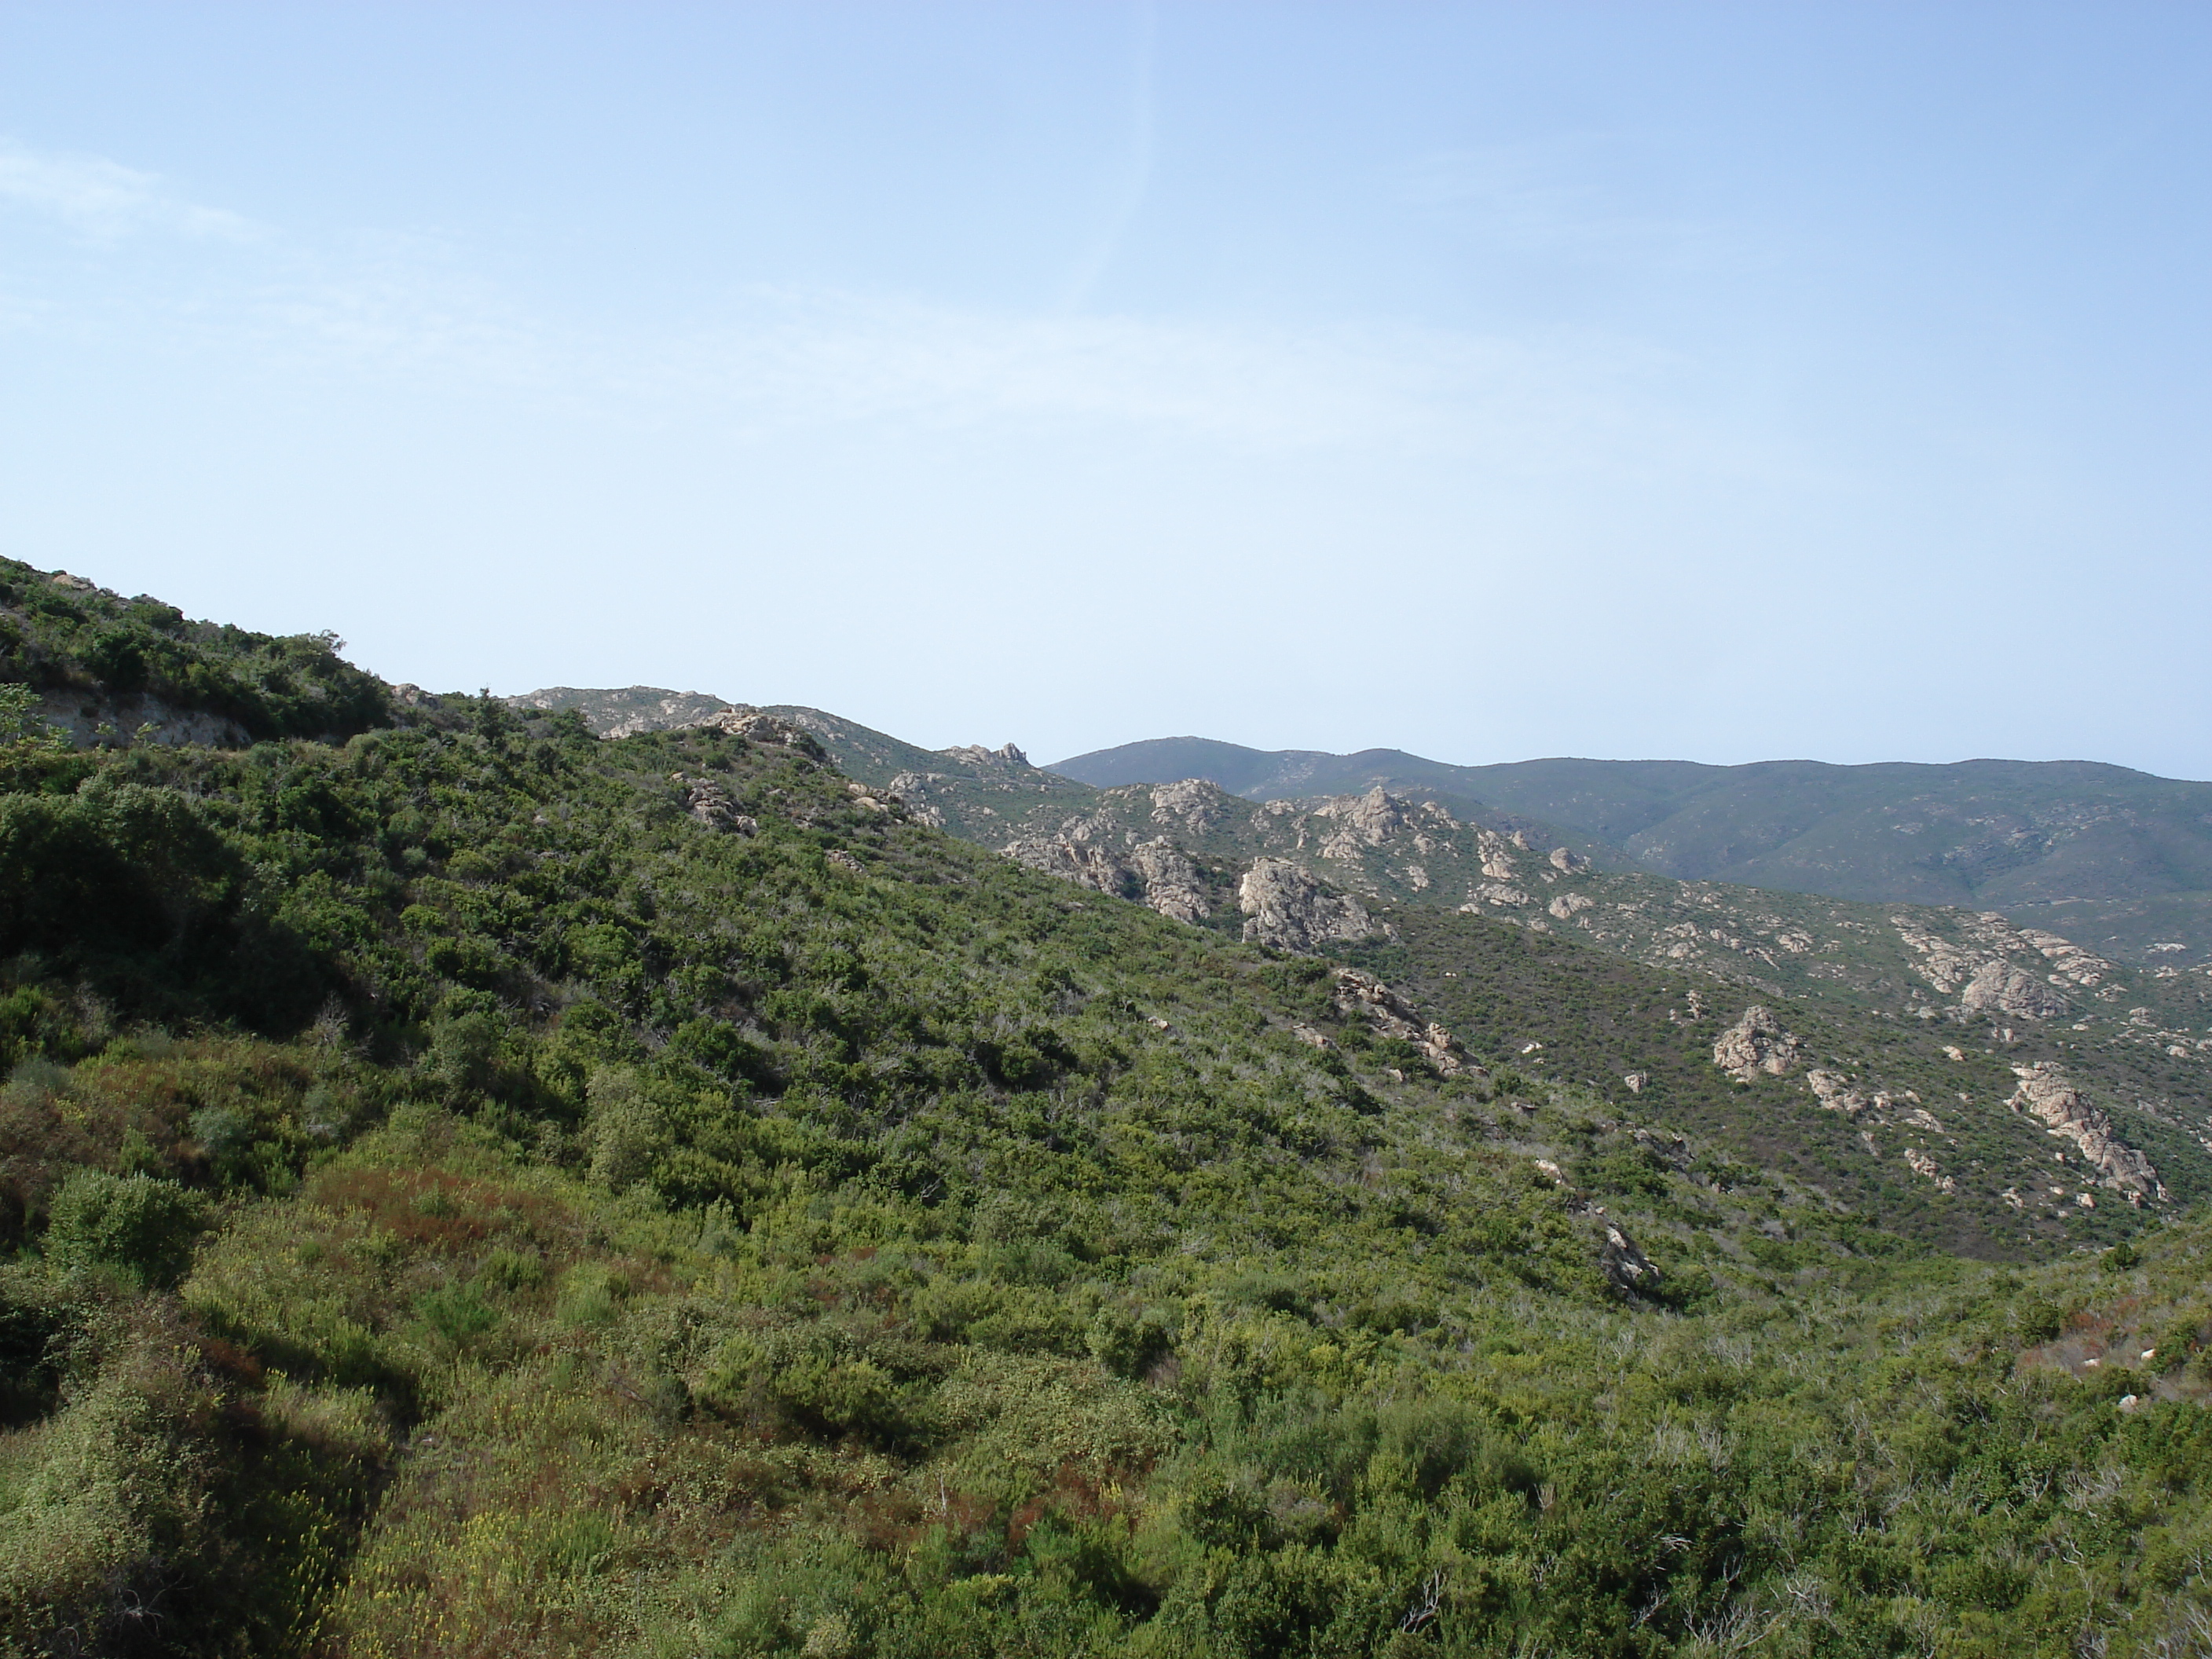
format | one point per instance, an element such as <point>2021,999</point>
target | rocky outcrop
<point>1496,892</point>
<point>1360,821</point>
<point>1563,907</point>
<point>1193,805</point>
<point>1496,852</point>
<point>754,726</point>
<point>1756,1043</point>
<point>710,803</point>
<point>1994,969</point>
<point>912,791</point>
<point>1566,861</point>
<point>1082,850</point>
<point>974,754</point>
<point>1625,1268</point>
<point>1361,994</point>
<point>1171,882</point>
<point>1925,1167</point>
<point>1999,987</point>
<point>1287,907</point>
<point>2045,1093</point>
<point>1092,853</point>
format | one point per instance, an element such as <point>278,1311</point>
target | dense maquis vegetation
<point>470,1194</point>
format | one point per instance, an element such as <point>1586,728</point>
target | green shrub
<point>144,1226</point>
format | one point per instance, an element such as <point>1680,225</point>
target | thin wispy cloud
<point>1560,196</point>
<point>414,315</point>
<point>102,199</point>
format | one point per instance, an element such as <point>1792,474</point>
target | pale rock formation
<point>911,790</point>
<point>1997,987</point>
<point>1566,904</point>
<point>974,754</point>
<point>1193,804</point>
<point>1362,820</point>
<point>1564,861</point>
<point>1833,1091</point>
<point>1497,855</point>
<point>2074,965</point>
<point>1625,1268</point>
<point>1287,907</point>
<point>710,803</point>
<point>91,719</point>
<point>1635,1081</point>
<point>2045,1093</point>
<point>1171,881</point>
<point>1085,850</point>
<point>1362,994</point>
<point>1495,892</point>
<point>845,861</point>
<point>757,727</point>
<point>1925,1166</point>
<point>1756,1043</point>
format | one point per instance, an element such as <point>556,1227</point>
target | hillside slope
<point>478,1188</point>
<point>1917,1030</point>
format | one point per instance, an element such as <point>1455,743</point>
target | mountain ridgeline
<point>749,1186</point>
<point>2120,859</point>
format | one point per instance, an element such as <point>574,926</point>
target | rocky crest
<point>2045,1093</point>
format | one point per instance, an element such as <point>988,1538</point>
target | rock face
<point>1084,850</point>
<point>92,719</point>
<point>1756,1043</point>
<point>1361,993</point>
<point>1287,907</point>
<point>2045,1093</point>
<point>2000,988</point>
<point>1172,885</point>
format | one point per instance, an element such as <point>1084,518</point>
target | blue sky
<point>1719,381</point>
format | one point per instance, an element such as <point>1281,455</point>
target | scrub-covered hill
<point>1990,1088</point>
<point>481,1188</point>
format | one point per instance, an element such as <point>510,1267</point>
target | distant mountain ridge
<point>2102,850</point>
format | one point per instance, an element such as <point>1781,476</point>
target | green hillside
<point>475,1187</point>
<point>1918,1022</point>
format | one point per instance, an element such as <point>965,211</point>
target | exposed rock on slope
<point>2001,988</point>
<point>1359,993</point>
<point>1625,1268</point>
<point>2045,1092</point>
<point>1287,907</point>
<point>1756,1043</point>
<point>1094,852</point>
